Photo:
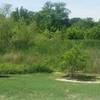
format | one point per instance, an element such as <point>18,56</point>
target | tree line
<point>19,28</point>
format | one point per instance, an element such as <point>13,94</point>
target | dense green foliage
<point>22,69</point>
<point>29,38</point>
<point>75,60</point>
<point>48,54</point>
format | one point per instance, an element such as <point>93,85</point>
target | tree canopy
<point>52,21</point>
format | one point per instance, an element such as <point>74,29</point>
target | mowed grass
<point>45,87</point>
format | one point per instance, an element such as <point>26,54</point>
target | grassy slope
<point>44,87</point>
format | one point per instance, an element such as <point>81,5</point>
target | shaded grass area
<point>45,87</point>
<point>81,77</point>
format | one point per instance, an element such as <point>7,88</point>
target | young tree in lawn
<point>75,60</point>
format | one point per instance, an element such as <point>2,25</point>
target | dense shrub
<point>35,41</point>
<point>74,60</point>
<point>93,33</point>
<point>40,68</point>
<point>6,34</point>
<point>8,68</point>
<point>23,36</point>
<point>75,32</point>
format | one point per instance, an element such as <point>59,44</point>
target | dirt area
<point>76,81</point>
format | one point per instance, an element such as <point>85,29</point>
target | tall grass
<point>45,55</point>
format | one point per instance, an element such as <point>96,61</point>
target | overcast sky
<point>79,8</point>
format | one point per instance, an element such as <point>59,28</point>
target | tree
<point>82,23</point>
<point>6,10</point>
<point>6,34</point>
<point>79,28</point>
<point>52,17</point>
<point>93,33</point>
<point>23,37</point>
<point>22,14</point>
<point>61,15</point>
<point>72,21</point>
<point>74,60</point>
<point>75,32</point>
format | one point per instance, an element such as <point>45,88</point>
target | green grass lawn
<point>45,87</point>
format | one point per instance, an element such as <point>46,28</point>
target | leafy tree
<point>74,20</point>
<point>61,15</point>
<point>74,32</point>
<point>74,60</point>
<point>5,10</point>
<point>93,33</point>
<point>79,28</point>
<point>23,36</point>
<point>53,17</point>
<point>6,34</point>
<point>22,14</point>
<point>83,23</point>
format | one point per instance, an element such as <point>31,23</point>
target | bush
<point>93,33</point>
<point>6,34</point>
<point>75,60</point>
<point>7,68</point>
<point>40,68</point>
<point>23,36</point>
<point>75,33</point>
